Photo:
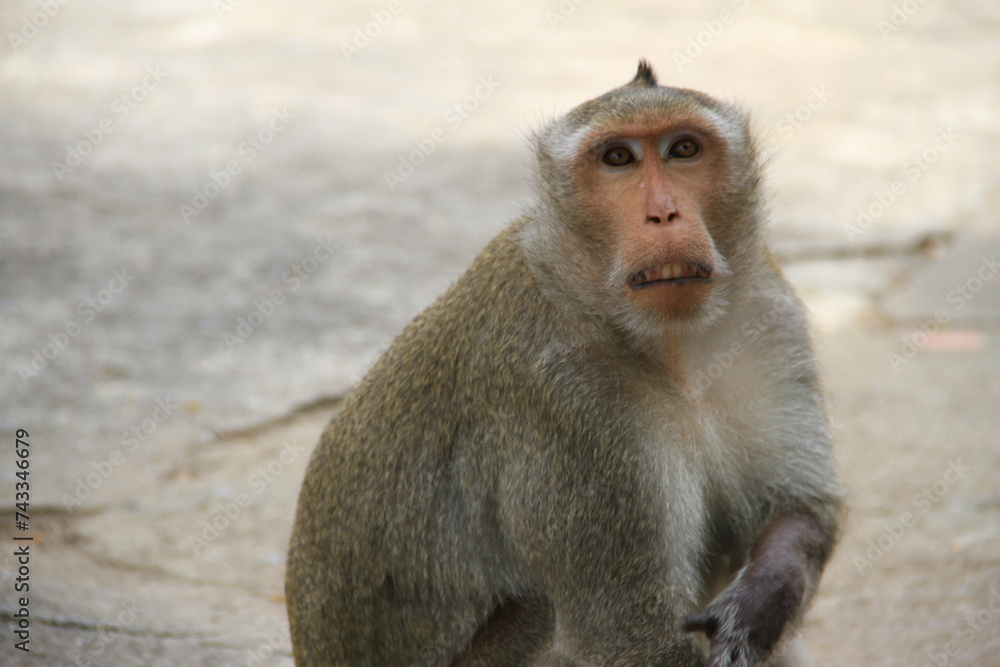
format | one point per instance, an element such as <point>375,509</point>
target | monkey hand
<point>745,622</point>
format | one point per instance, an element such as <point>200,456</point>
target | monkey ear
<point>645,76</point>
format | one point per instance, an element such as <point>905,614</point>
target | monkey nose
<point>657,219</point>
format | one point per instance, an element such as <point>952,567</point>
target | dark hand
<point>746,621</point>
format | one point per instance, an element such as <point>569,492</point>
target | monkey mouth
<point>677,273</point>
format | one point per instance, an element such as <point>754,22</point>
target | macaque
<point>605,444</point>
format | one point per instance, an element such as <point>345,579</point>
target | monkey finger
<point>704,621</point>
<point>728,656</point>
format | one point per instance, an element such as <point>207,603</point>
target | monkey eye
<point>618,156</point>
<point>684,148</point>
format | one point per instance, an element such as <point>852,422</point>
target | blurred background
<point>214,214</point>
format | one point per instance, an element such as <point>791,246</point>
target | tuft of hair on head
<point>645,76</point>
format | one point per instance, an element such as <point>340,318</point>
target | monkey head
<point>649,196</point>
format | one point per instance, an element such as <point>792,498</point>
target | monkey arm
<point>748,619</point>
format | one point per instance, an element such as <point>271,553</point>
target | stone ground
<point>202,246</point>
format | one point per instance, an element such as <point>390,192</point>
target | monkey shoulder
<point>467,350</point>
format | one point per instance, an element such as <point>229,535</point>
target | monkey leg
<point>516,631</point>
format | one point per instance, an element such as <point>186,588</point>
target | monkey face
<point>647,184</point>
